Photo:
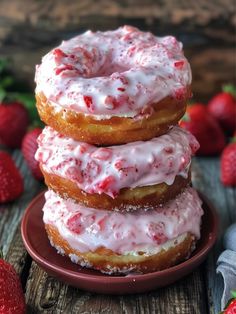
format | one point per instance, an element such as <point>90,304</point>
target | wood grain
<point>199,292</point>
<point>206,179</point>
<point>30,28</point>
<point>70,12</point>
<point>46,295</point>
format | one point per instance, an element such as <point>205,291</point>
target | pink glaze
<point>87,229</point>
<point>113,73</point>
<point>107,170</point>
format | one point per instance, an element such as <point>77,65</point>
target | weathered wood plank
<point>206,179</point>
<point>18,257</point>
<point>30,28</point>
<point>45,294</point>
<point>64,13</point>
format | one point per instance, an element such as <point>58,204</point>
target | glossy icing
<point>87,229</point>
<point>109,169</point>
<point>113,73</point>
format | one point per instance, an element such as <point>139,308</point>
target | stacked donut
<point>116,163</point>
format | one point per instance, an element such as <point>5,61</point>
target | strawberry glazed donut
<point>122,242</point>
<point>124,177</point>
<point>113,87</point>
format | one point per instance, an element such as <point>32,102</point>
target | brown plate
<point>38,246</point>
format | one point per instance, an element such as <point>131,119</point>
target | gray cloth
<point>230,238</point>
<point>227,264</point>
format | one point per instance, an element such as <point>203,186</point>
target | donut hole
<point>111,69</point>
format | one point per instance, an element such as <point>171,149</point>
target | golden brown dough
<point>107,261</point>
<point>127,199</point>
<point>116,130</point>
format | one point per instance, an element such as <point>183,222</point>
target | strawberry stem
<point>233,292</point>
<point>233,139</point>
<point>230,89</point>
<point>1,253</point>
<point>186,117</point>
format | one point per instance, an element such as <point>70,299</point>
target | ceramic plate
<point>38,246</point>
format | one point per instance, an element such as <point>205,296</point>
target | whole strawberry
<point>14,121</point>
<point>205,128</point>
<point>228,164</point>
<point>11,185</point>
<point>223,107</point>
<point>11,295</point>
<point>231,309</point>
<point>29,147</point>
<point>231,306</point>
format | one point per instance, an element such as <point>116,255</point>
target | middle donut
<point>122,177</point>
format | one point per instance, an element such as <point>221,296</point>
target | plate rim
<point>117,278</point>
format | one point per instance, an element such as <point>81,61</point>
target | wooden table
<point>30,28</point>
<point>199,292</point>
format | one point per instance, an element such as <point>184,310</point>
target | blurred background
<point>29,28</point>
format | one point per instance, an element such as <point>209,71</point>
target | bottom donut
<point>118,242</point>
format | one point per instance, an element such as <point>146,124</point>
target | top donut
<point>113,87</point>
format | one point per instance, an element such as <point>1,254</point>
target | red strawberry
<point>205,128</point>
<point>231,306</point>
<point>74,223</point>
<point>29,147</point>
<point>223,107</point>
<point>14,121</point>
<point>11,294</point>
<point>231,309</point>
<point>11,181</point>
<point>228,165</point>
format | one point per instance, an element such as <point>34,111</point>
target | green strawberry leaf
<point>37,124</point>
<point>3,64</point>
<point>6,81</point>
<point>2,93</point>
<point>233,293</point>
<point>186,117</point>
<point>27,99</point>
<point>229,88</point>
